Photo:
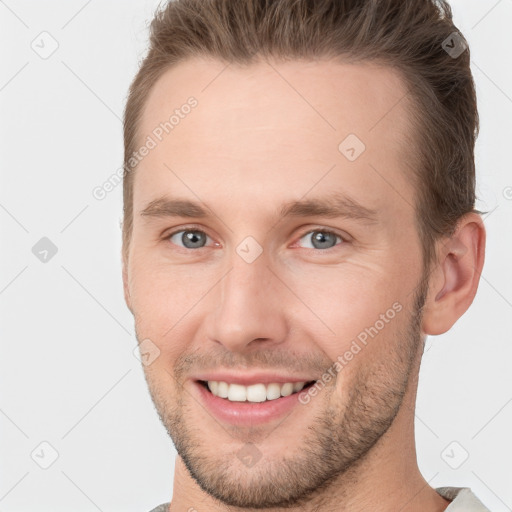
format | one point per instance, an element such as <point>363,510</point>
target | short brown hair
<point>409,35</point>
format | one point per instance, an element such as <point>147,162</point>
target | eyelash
<point>167,237</point>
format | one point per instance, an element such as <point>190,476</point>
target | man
<point>299,216</point>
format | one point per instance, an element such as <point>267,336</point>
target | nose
<point>249,306</point>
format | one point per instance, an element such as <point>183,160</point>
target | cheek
<point>353,303</point>
<point>157,303</point>
<point>332,306</point>
<point>163,293</point>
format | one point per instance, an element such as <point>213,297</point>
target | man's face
<point>256,298</point>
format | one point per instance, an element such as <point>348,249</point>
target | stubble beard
<point>337,440</point>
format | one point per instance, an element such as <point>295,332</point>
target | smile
<point>249,405</point>
<point>258,392</point>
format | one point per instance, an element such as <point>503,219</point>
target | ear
<point>126,288</point>
<point>456,273</point>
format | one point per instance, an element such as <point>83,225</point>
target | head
<point>327,148</point>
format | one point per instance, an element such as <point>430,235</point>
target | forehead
<point>276,127</point>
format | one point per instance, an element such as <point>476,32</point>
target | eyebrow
<point>332,206</point>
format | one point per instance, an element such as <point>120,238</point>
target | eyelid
<point>167,235</point>
<point>345,238</point>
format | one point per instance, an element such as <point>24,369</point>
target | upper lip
<point>247,378</point>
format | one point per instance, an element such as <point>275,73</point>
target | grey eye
<point>321,239</point>
<point>189,238</point>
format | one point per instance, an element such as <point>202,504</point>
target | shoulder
<point>462,499</point>
<point>161,508</point>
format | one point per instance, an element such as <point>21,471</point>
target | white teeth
<point>287,389</point>
<point>237,393</point>
<point>274,391</point>
<point>254,392</point>
<point>297,386</point>
<point>222,389</point>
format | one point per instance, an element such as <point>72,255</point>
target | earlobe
<point>454,283</point>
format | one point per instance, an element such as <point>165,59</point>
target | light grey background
<point>68,376</point>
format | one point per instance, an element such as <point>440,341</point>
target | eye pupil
<point>192,239</point>
<point>323,239</point>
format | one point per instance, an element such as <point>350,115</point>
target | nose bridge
<point>246,281</point>
<point>248,301</point>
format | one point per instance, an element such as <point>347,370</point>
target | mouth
<point>255,393</point>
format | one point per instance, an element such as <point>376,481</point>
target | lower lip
<point>247,413</point>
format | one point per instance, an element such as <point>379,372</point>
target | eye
<point>321,239</point>
<point>189,238</point>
